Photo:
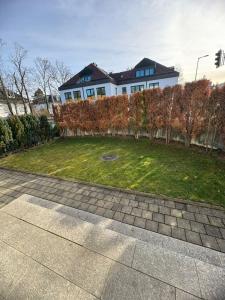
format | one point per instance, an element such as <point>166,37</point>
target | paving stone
<point>164,229</point>
<point>153,207</point>
<point>192,208</point>
<point>151,225</point>
<point>124,201</point>
<point>108,205</point>
<point>126,209</point>
<point>139,222</point>
<point>193,237</point>
<point>143,205</point>
<point>178,233</point>
<point>209,241</point>
<point>221,244</point>
<point>128,219</point>
<point>109,213</point>
<point>170,204</point>
<point>160,202</point>
<point>116,206</point>
<point>84,206</point>
<point>222,232</point>
<point>176,213</point>
<point>100,211</point>
<point>205,211</point>
<point>213,231</point>
<point>164,210</point>
<point>202,218</point>
<point>136,212</point>
<point>118,216</point>
<point>100,203</point>
<point>183,223</point>
<point>198,227</point>
<point>188,215</point>
<point>180,206</point>
<point>92,208</point>
<point>158,217</point>
<point>216,221</point>
<point>218,213</point>
<point>169,220</point>
<point>147,214</point>
<point>133,203</point>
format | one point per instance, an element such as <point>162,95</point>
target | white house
<point>16,103</point>
<point>93,82</point>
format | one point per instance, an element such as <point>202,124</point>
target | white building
<point>93,82</point>
<point>16,104</point>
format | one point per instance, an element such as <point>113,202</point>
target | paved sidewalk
<point>48,252</point>
<point>196,223</point>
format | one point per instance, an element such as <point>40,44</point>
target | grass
<point>156,168</point>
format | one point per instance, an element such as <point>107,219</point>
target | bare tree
<point>43,76</point>
<point>2,81</point>
<point>60,73</point>
<point>21,73</point>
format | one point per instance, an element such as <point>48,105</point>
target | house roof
<point>99,76</point>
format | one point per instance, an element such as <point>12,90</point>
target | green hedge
<point>18,132</point>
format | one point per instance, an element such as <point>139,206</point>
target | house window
<point>154,85</point>
<point>124,90</point>
<point>76,95</point>
<point>137,88</point>
<point>149,72</point>
<point>100,91</point>
<point>140,73</point>
<point>145,72</point>
<point>68,96</point>
<point>85,78</point>
<point>90,92</point>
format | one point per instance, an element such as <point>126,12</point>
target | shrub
<point>45,128</point>
<point>31,129</point>
<point>18,133</point>
<point>6,138</point>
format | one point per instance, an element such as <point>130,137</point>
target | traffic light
<point>218,59</point>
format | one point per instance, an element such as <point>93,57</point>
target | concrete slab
<point>181,295</point>
<point>94,257</point>
<point>85,268</point>
<point>23,278</point>
<point>170,267</point>
<point>125,283</point>
<point>212,281</point>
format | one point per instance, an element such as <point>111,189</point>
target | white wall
<point>109,90</point>
<point>162,84</point>
<point>112,89</point>
<point>4,110</point>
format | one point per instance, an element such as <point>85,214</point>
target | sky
<point>117,34</point>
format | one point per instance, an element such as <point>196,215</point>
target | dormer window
<point>85,78</point>
<point>145,72</point>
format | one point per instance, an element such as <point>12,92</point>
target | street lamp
<point>197,65</point>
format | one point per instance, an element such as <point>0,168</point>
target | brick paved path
<point>197,223</point>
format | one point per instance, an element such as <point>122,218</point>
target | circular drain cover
<point>109,157</point>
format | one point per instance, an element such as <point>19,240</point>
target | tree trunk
<point>168,134</point>
<point>187,141</point>
<point>47,104</point>
<point>28,98</point>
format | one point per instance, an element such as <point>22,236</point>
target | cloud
<point>118,33</point>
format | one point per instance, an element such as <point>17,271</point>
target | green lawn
<point>156,168</point>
